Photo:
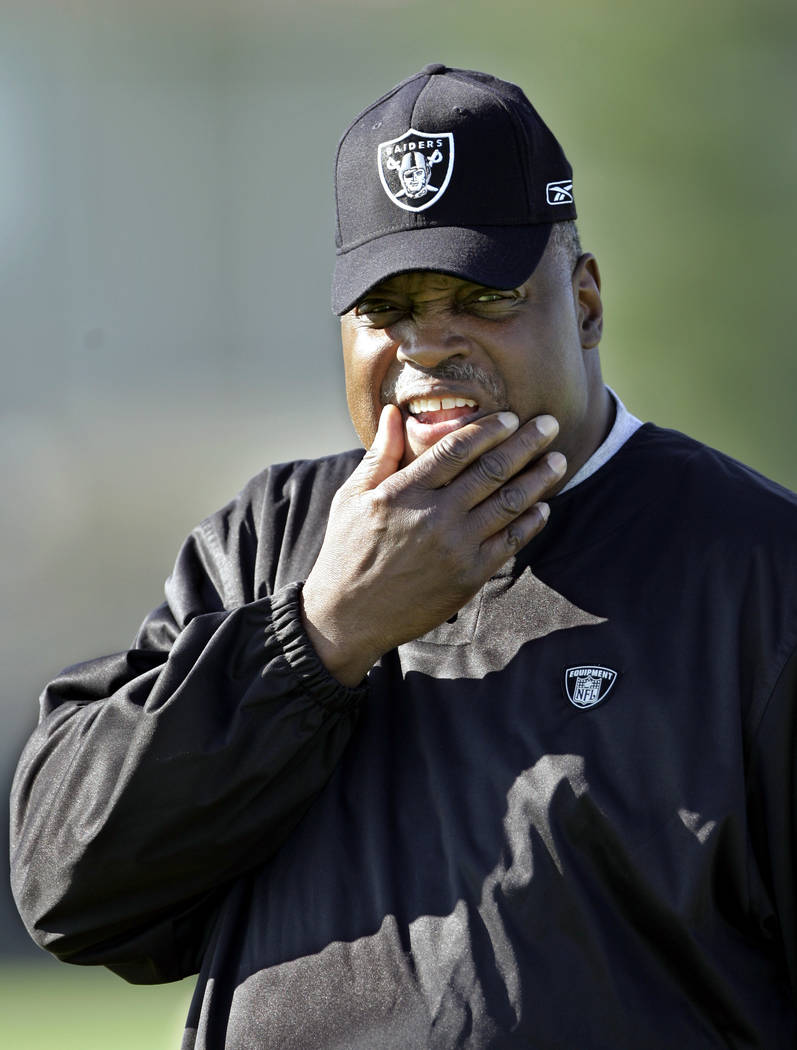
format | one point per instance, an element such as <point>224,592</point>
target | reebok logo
<point>559,192</point>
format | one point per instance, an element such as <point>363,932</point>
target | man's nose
<point>429,344</point>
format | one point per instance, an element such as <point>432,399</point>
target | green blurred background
<point>165,248</point>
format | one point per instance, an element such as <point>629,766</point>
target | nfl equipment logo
<point>415,168</point>
<point>587,686</point>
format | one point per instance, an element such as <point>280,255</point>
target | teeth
<point>436,404</point>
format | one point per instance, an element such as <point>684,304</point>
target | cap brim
<point>498,256</point>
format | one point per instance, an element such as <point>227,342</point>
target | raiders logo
<point>586,686</point>
<point>415,168</point>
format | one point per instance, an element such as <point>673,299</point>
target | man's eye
<point>377,313</point>
<point>374,306</point>
<point>493,301</point>
<point>495,295</point>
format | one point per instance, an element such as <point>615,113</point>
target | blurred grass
<point>44,1005</point>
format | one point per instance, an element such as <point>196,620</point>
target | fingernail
<point>547,425</point>
<point>545,511</point>
<point>508,420</point>
<point>557,462</point>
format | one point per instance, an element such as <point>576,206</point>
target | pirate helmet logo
<point>415,168</point>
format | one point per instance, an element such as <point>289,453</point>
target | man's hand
<point>406,548</point>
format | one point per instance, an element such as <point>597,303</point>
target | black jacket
<point>565,819</point>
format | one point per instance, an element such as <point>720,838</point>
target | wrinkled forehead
<point>417,282</point>
<point>421,281</point>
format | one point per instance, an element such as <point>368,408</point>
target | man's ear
<point>587,297</point>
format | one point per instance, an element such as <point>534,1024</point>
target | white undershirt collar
<point>624,426</point>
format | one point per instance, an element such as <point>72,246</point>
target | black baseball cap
<point>453,171</point>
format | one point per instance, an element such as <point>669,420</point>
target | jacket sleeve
<point>157,775</point>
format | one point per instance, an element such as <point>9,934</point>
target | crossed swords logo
<point>405,167</point>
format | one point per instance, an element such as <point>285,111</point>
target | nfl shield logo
<point>586,686</point>
<point>415,168</point>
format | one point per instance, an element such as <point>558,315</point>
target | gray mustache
<point>458,371</point>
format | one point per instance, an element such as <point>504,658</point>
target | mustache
<point>457,371</point>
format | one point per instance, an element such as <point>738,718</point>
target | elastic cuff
<point>287,631</point>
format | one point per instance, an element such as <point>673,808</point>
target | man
<point>482,738</point>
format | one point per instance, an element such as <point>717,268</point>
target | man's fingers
<point>503,544</point>
<point>496,469</point>
<point>519,495</point>
<point>383,457</point>
<point>506,511</point>
<point>452,454</point>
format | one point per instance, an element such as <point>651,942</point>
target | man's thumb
<point>383,457</point>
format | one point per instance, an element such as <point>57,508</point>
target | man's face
<point>448,351</point>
